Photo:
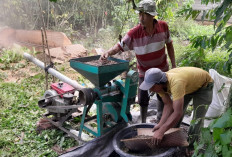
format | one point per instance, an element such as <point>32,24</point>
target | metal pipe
<point>53,72</point>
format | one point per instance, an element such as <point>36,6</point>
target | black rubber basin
<point>131,131</point>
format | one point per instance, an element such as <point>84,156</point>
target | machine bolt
<point>60,84</point>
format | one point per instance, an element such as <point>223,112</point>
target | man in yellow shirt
<point>177,87</point>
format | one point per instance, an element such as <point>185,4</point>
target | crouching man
<point>177,87</point>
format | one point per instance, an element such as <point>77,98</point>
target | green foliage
<point>124,17</point>
<point>223,39</point>
<point>188,11</point>
<point>3,76</point>
<point>19,114</point>
<point>186,29</point>
<point>64,15</point>
<point>219,142</point>
<point>166,9</point>
<point>223,33</point>
<point>190,55</point>
<point>77,18</point>
<point>229,101</point>
<point>106,35</point>
<point>10,56</point>
<point>205,59</point>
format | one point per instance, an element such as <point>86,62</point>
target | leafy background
<point>99,25</point>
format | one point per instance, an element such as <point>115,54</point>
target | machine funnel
<point>97,73</point>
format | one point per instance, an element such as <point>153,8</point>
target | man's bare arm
<point>171,121</point>
<point>167,111</point>
<point>114,50</point>
<point>176,115</point>
<point>171,54</point>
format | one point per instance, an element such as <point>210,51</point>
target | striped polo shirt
<point>149,49</point>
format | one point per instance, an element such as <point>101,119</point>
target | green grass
<point>205,60</point>
<point>20,112</point>
<point>215,60</point>
<point>10,56</point>
<point>3,76</point>
<point>19,115</point>
<point>184,30</point>
<point>180,47</point>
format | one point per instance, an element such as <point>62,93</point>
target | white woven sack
<point>220,93</point>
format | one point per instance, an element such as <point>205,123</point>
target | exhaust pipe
<point>53,72</point>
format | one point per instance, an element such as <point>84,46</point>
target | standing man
<point>183,84</point>
<point>148,40</point>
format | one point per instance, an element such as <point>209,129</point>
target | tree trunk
<point>48,12</point>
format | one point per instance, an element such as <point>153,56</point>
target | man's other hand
<point>173,66</point>
<point>104,56</point>
<point>156,127</point>
<point>157,137</point>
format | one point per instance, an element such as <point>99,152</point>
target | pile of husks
<point>101,62</point>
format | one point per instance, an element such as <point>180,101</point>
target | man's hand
<point>173,66</point>
<point>110,52</point>
<point>157,137</point>
<point>156,127</point>
<point>104,56</point>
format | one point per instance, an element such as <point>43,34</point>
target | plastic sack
<point>220,93</point>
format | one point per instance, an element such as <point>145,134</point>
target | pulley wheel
<point>87,96</point>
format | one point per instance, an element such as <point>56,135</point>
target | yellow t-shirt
<point>186,80</point>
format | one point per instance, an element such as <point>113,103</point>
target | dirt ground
<point>24,69</point>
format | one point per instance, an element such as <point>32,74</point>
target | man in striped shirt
<point>148,40</point>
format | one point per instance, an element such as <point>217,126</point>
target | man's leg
<point>201,101</point>
<point>143,99</point>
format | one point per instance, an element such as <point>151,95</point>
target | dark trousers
<point>201,100</point>
<point>143,100</point>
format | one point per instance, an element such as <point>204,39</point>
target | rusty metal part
<point>58,125</point>
<point>43,124</point>
<point>172,138</point>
